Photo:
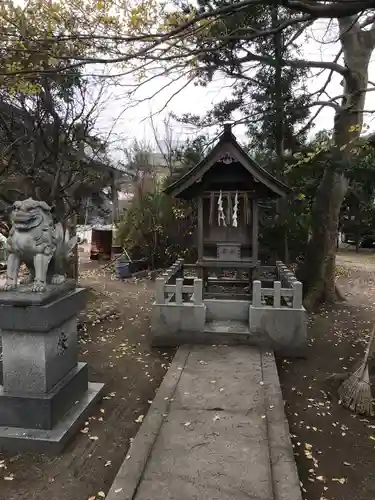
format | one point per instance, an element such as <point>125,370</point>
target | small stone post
<point>297,295</point>
<point>159,291</point>
<point>179,284</point>
<point>198,291</point>
<point>276,294</point>
<point>257,293</point>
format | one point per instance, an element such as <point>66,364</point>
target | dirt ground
<point>118,353</point>
<point>335,449</point>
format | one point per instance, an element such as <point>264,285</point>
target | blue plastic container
<point>122,269</point>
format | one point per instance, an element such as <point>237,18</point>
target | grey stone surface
<point>214,440</point>
<point>17,439</point>
<point>35,362</point>
<point>282,329</point>
<point>218,377</point>
<point>23,296</point>
<point>45,317</point>
<point>218,454</point>
<point>219,310</point>
<point>208,337</point>
<point>172,318</point>
<point>228,326</point>
<point>130,472</point>
<point>223,322</point>
<point>43,411</point>
<point>285,478</point>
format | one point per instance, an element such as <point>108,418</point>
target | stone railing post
<point>180,268</point>
<point>257,293</point>
<point>179,285</point>
<point>297,295</point>
<point>159,291</point>
<point>198,291</point>
<point>277,294</point>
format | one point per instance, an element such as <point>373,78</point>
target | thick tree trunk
<point>318,273</point>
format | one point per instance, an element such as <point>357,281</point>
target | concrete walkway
<point>216,430</point>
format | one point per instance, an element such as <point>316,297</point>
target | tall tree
<point>270,100</point>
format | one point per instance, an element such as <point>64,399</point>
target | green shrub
<point>158,228</point>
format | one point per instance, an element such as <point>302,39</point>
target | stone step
<point>226,310</point>
<point>227,327</point>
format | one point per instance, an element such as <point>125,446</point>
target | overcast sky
<point>134,123</point>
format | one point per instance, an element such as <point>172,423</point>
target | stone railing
<point>282,321</point>
<point>178,293</point>
<point>286,291</point>
<point>178,308</point>
<point>171,287</point>
<point>172,273</point>
<point>289,297</point>
<point>285,275</point>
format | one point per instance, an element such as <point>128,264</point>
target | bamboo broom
<point>355,392</point>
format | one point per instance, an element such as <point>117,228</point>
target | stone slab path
<point>216,430</point>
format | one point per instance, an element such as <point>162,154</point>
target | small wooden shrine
<point>228,186</point>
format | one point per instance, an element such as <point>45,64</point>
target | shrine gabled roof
<point>227,150</point>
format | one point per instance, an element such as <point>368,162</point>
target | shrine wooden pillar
<point>255,231</point>
<point>200,227</point>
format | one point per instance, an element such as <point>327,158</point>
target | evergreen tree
<point>271,100</point>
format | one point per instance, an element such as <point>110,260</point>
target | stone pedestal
<point>45,394</point>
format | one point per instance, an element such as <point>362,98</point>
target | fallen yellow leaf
<point>341,480</point>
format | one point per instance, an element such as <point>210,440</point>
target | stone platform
<point>215,430</point>
<point>45,394</point>
<point>23,296</point>
<point>53,441</point>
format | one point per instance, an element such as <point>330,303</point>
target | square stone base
<point>33,363</point>
<point>280,328</point>
<point>169,319</point>
<point>52,441</point>
<point>44,411</point>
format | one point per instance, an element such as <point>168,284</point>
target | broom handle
<point>369,349</point>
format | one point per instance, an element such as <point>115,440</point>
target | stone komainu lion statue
<point>35,240</point>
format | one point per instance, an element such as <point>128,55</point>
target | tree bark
<point>318,273</point>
